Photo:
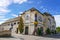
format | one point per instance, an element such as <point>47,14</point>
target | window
<point>18,22</point>
<point>14,23</point>
<point>35,17</point>
<point>40,18</point>
<point>27,16</point>
<point>11,24</point>
<point>49,20</point>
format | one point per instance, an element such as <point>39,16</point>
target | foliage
<point>53,31</point>
<point>58,29</point>
<point>21,25</point>
<point>48,31</point>
<point>39,31</point>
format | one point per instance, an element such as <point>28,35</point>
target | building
<point>49,21</point>
<point>32,19</point>
<point>11,23</point>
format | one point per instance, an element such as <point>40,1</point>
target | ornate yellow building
<point>33,19</point>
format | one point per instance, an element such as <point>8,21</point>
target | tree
<point>53,31</point>
<point>48,31</point>
<point>39,31</point>
<point>21,25</point>
<point>58,29</point>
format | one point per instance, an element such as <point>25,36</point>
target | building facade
<point>32,19</point>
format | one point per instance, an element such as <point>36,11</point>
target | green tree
<point>21,25</point>
<point>48,31</point>
<point>53,31</point>
<point>39,31</point>
<point>58,29</point>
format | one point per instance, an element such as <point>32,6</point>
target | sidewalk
<point>31,37</point>
<point>25,37</point>
<point>18,36</point>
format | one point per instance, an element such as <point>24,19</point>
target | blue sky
<point>11,8</point>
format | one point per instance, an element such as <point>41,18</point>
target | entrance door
<point>26,30</point>
<point>16,30</point>
<point>41,30</point>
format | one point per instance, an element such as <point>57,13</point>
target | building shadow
<point>57,36</point>
<point>7,37</point>
<point>11,37</point>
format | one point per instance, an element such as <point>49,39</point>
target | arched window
<point>49,20</point>
<point>40,18</point>
<point>27,16</point>
<point>35,17</point>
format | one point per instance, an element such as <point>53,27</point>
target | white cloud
<point>20,12</point>
<point>19,1</point>
<point>1,17</point>
<point>30,2</point>
<point>3,20</point>
<point>44,9</point>
<point>4,3</point>
<point>3,7</point>
<point>14,15</point>
<point>57,19</point>
<point>4,10</point>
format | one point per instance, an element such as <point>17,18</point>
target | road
<point>28,37</point>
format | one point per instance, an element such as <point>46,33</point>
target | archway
<point>16,30</point>
<point>26,30</point>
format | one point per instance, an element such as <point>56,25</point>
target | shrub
<point>39,31</point>
<point>48,31</point>
<point>58,29</point>
<point>53,32</point>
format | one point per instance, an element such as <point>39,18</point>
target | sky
<point>11,8</point>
